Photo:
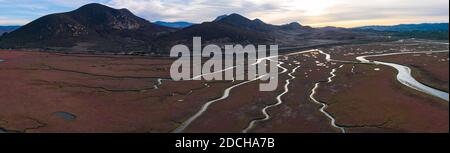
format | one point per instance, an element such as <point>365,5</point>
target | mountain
<point>292,26</point>
<point>237,29</point>
<point>240,21</point>
<point>409,27</point>
<point>227,29</point>
<point>11,28</point>
<point>90,27</point>
<point>178,25</point>
<point>217,32</point>
<point>433,31</point>
<point>98,28</point>
<point>237,20</point>
<point>5,29</point>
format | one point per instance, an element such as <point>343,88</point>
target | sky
<point>316,13</point>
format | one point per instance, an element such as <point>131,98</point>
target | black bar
<point>282,142</point>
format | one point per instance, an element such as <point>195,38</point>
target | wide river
<point>404,74</point>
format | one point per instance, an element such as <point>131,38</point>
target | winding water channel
<point>225,94</point>
<point>404,74</point>
<point>286,90</point>
<point>404,77</point>
<point>279,101</point>
<point>205,107</point>
<point>324,105</point>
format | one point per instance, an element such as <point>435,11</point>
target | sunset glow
<point>343,13</point>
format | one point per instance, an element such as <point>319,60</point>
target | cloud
<point>309,12</point>
<point>386,12</point>
<point>8,21</point>
<point>194,10</point>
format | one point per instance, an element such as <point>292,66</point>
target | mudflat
<point>369,99</point>
<point>101,93</point>
<point>56,92</point>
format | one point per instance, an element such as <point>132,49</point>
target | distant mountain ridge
<point>180,24</point>
<point>237,29</point>
<point>409,27</point>
<point>98,28</point>
<point>4,29</point>
<point>9,27</point>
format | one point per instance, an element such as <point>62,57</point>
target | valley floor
<point>54,92</point>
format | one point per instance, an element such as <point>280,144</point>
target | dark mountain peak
<point>295,24</point>
<point>258,21</point>
<point>95,14</point>
<point>235,19</point>
<point>240,21</point>
<point>232,16</point>
<point>91,6</point>
<point>235,15</point>
<point>96,7</point>
<point>99,25</point>
<point>292,26</point>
